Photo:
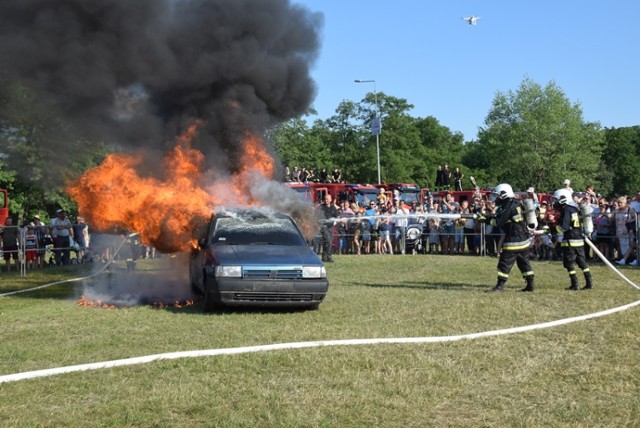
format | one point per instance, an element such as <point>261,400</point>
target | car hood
<point>264,255</point>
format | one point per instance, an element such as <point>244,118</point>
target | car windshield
<point>256,229</point>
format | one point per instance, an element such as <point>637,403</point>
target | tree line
<point>532,136</point>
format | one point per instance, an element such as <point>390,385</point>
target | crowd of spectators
<point>38,244</point>
<point>304,175</point>
<point>378,227</point>
<point>60,242</point>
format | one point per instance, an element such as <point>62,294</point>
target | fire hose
<point>423,216</point>
<point>608,263</point>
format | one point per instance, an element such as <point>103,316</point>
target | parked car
<point>256,257</point>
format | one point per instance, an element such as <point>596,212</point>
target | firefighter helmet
<point>502,192</point>
<point>562,197</point>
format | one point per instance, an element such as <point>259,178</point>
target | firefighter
<point>515,242</point>
<point>570,228</point>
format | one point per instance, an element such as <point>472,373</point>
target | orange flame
<point>258,157</point>
<point>176,304</point>
<point>166,211</point>
<point>88,303</point>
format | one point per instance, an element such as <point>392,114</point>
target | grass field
<point>581,374</point>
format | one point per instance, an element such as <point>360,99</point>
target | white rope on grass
<point>321,343</point>
<point>300,345</point>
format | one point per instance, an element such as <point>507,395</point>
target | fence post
<point>22,252</point>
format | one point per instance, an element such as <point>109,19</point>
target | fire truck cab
<point>408,192</point>
<point>338,191</point>
<point>4,205</point>
<point>304,190</point>
<point>462,195</point>
<point>362,194</point>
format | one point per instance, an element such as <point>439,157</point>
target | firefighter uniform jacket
<point>570,227</point>
<point>511,222</point>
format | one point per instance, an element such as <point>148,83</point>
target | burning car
<point>256,257</point>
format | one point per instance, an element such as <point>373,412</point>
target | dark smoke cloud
<point>134,72</point>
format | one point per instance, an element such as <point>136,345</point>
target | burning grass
<point>84,301</point>
<point>88,303</point>
<point>159,283</point>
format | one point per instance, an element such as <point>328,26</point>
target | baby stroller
<point>413,238</point>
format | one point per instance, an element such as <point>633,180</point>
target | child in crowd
<point>434,235</point>
<point>31,247</point>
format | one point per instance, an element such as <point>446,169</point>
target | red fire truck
<point>314,192</point>
<point>4,205</point>
<point>360,194</point>
<point>303,189</point>
<point>408,192</point>
<point>467,195</point>
<point>461,195</point>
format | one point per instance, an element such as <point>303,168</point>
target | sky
<point>422,51</point>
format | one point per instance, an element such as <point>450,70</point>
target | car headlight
<point>314,272</point>
<point>228,271</point>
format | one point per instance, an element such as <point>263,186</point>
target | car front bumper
<point>275,293</point>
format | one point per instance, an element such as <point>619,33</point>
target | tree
<point>348,145</point>
<point>622,156</point>
<point>401,154</point>
<point>536,137</point>
<point>40,151</point>
<point>298,145</point>
<point>440,146</point>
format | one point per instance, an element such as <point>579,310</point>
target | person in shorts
<point>31,247</point>
<point>10,236</point>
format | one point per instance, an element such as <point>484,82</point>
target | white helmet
<point>562,196</point>
<point>502,192</point>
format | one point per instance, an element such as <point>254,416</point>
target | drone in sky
<point>471,20</point>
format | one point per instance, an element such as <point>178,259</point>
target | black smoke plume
<point>135,72</point>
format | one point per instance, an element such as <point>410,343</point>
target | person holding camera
<point>62,233</point>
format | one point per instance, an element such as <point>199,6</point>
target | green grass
<point>581,374</point>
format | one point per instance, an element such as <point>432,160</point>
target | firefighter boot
<point>499,286</point>
<point>587,278</point>
<point>574,283</point>
<point>529,286</point>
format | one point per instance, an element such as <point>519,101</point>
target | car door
<point>197,259</point>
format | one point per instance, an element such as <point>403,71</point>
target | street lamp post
<point>376,125</point>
